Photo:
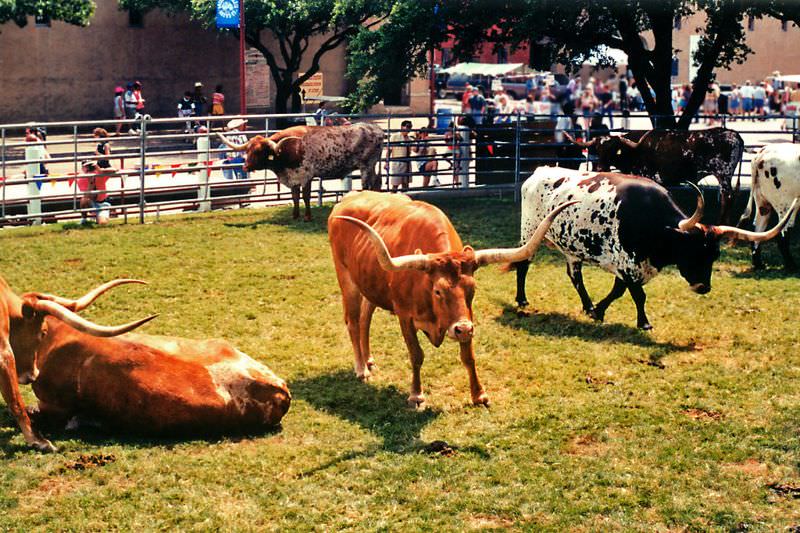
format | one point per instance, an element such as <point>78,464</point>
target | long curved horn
<point>630,144</point>
<point>757,236</point>
<point>86,300</point>
<point>526,251</point>
<point>81,324</point>
<point>231,145</point>
<point>387,262</point>
<point>582,144</point>
<point>291,137</point>
<point>688,223</point>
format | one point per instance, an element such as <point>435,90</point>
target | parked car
<point>454,84</point>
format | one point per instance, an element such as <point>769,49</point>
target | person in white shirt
<point>747,98</point>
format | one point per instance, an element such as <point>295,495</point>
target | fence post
<point>75,168</point>
<point>455,145</point>
<point>142,166</point>
<point>3,171</point>
<point>204,204</point>
<point>31,173</point>
<point>388,164</point>
<point>517,142</point>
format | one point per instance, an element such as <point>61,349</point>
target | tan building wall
<point>65,72</point>
<point>774,48</point>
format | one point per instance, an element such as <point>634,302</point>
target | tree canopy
<point>567,33</point>
<point>76,12</point>
<point>292,24</point>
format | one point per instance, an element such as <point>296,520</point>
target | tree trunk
<point>282,95</point>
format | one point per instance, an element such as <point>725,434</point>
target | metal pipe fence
<point>163,169</point>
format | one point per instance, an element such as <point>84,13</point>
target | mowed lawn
<point>592,426</point>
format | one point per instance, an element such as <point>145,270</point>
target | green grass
<point>590,428</point>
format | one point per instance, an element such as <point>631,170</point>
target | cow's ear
<point>29,306</point>
<point>290,151</point>
<point>418,251</point>
<point>27,311</point>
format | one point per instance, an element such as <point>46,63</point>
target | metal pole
<point>75,167</point>
<point>5,178</point>
<point>142,167</point>
<point>432,81</point>
<point>517,161</point>
<point>242,71</point>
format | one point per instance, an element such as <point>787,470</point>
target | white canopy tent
<point>619,57</point>
<point>482,69</point>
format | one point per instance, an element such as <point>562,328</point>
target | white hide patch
<point>232,376</point>
<point>775,181</point>
<point>588,231</point>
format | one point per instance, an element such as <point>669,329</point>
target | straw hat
<point>236,123</point>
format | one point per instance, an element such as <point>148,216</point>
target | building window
<point>677,23</point>
<point>751,23</point>
<point>135,18</point>
<point>42,20</point>
<point>784,25</point>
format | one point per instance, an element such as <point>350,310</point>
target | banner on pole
<point>227,13</point>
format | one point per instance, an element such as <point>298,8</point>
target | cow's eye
<point>437,292</point>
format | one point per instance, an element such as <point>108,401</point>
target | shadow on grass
<point>560,325</point>
<point>771,272</point>
<point>283,217</point>
<point>381,410</point>
<point>108,437</point>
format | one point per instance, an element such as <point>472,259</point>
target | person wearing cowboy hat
<point>236,126</point>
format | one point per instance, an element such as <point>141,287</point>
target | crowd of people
<point>595,98</point>
<point>753,100</point>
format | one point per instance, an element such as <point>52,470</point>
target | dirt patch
<point>785,489</point>
<point>73,261</point>
<point>88,461</point>
<point>440,447</point>
<point>702,414</point>
<point>489,522</point>
<point>586,445</point>
<point>750,467</point>
<point>591,380</point>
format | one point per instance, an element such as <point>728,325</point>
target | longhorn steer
<point>135,383</point>
<point>18,350</point>
<point>299,154</point>
<point>671,157</point>
<point>628,226</point>
<point>405,256</point>
<point>775,184</point>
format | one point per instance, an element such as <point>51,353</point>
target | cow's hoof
<point>522,304</point>
<point>43,445</point>
<point>416,401</point>
<point>364,376</point>
<point>371,364</point>
<point>758,266</point>
<point>481,399</point>
<point>596,315</point>
<point>645,327</point>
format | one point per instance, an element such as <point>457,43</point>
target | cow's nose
<point>462,331</point>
